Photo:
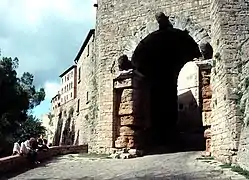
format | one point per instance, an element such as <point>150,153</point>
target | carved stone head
<point>163,20</point>
<point>124,63</point>
<point>206,50</point>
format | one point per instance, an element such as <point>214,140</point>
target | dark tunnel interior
<point>159,58</point>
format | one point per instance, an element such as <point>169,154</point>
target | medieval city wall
<point>116,23</point>
<point>118,30</point>
<point>86,96</point>
<point>227,24</point>
<point>229,28</point>
<point>243,103</point>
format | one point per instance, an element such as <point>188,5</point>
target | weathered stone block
<point>206,92</point>
<point>206,104</point>
<point>207,133</point>
<point>127,120</point>
<point>126,131</point>
<point>131,143</point>
<point>123,83</point>
<point>207,118</point>
<point>126,108</point>
<point>121,142</point>
<point>126,95</point>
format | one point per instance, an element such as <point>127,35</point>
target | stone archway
<point>158,130</point>
<point>181,22</point>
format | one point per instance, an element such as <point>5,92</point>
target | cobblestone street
<point>185,165</point>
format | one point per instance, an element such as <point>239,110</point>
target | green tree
<point>32,127</point>
<point>18,96</point>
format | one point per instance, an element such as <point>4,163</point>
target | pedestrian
<point>16,148</point>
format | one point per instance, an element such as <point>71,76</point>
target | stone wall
<point>14,163</point>
<point>116,24</point>
<point>86,97</point>
<point>119,28</point>
<point>63,124</point>
<point>206,94</point>
<point>47,122</point>
<point>229,28</point>
<point>243,101</point>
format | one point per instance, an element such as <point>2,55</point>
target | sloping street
<point>184,165</point>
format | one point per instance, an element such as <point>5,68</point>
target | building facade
<point>222,88</point>
<point>85,90</point>
<point>68,89</point>
<point>222,23</point>
<point>56,101</point>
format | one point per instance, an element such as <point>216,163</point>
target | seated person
<point>45,144</point>
<point>32,154</point>
<point>25,147</point>
<point>42,144</point>
<point>16,148</point>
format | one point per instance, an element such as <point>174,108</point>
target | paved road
<point>157,167</point>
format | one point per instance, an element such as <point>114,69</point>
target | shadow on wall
<point>189,113</point>
<point>77,138</point>
<point>117,102</point>
<point>68,134</point>
<point>57,136</point>
<point>189,124</point>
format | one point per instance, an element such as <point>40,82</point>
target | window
<point>88,50</point>
<point>68,77</point>
<point>72,84</point>
<point>87,97</point>
<point>61,80</point>
<point>71,94</point>
<point>65,78</point>
<point>79,75</point>
<point>67,87</point>
<point>78,105</point>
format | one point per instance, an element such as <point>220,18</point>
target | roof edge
<point>89,35</point>
<point>67,70</point>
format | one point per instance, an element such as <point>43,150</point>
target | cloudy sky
<point>45,35</point>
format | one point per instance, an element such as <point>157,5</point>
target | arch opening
<point>157,60</point>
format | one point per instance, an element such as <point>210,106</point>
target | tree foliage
<point>32,127</point>
<point>18,96</point>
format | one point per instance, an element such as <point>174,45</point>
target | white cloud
<point>45,35</point>
<point>23,13</point>
<point>51,89</point>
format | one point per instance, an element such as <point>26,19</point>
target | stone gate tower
<point>120,26</point>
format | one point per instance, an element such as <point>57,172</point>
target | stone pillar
<point>229,28</point>
<point>206,95</point>
<point>207,135</point>
<point>132,111</point>
<point>127,128</point>
<point>205,101</point>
